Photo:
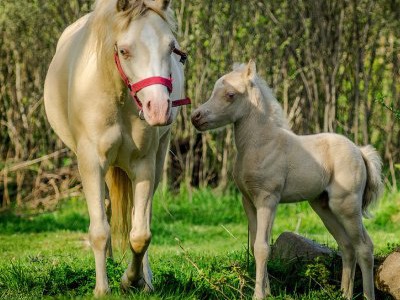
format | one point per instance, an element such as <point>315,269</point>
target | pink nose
<point>158,112</point>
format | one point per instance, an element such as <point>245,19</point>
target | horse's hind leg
<point>92,174</point>
<point>107,203</point>
<point>147,274</point>
<point>348,211</point>
<point>321,207</point>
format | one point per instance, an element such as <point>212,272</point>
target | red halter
<point>134,88</point>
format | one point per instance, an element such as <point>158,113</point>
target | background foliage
<point>334,65</point>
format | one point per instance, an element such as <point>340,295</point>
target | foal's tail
<point>120,190</point>
<point>374,186</point>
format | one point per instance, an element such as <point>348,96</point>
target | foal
<point>273,165</point>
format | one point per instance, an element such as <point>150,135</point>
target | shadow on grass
<point>10,223</point>
<point>71,216</point>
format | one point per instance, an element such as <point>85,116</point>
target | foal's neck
<point>256,127</point>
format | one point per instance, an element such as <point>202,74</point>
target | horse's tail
<point>374,185</point>
<point>121,196</point>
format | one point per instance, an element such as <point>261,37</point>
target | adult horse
<point>273,165</point>
<point>117,139</point>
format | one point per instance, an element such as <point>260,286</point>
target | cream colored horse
<point>90,109</point>
<point>274,165</point>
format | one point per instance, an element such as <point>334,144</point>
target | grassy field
<point>198,251</point>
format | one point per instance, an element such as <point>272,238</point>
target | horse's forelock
<point>106,22</point>
<point>106,13</point>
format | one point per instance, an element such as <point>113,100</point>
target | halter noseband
<point>134,88</point>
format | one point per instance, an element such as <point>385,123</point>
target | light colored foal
<point>274,165</point>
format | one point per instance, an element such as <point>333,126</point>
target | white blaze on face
<point>150,40</point>
<point>155,97</point>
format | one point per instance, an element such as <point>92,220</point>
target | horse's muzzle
<point>157,113</point>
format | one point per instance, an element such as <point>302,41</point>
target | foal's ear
<point>250,70</point>
<point>158,4</point>
<point>122,5</point>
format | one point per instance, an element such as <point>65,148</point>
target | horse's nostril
<point>148,105</point>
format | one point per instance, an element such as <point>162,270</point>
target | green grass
<point>198,251</point>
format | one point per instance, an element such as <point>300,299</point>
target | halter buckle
<point>141,114</point>
<point>182,54</point>
<point>183,58</point>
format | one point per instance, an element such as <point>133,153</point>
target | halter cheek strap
<point>134,88</point>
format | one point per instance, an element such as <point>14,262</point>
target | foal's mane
<point>276,113</point>
<point>105,22</point>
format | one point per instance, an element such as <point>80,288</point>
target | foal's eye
<point>230,95</point>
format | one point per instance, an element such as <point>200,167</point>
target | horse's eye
<point>124,52</point>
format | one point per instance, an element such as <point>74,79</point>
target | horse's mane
<point>105,22</point>
<point>267,96</point>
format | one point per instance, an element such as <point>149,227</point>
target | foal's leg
<point>266,207</point>
<point>320,206</point>
<point>140,234</point>
<point>92,174</point>
<point>348,211</point>
<point>251,214</point>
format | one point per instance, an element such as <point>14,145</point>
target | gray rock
<point>387,277</point>
<point>289,246</point>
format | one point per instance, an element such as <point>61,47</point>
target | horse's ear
<point>250,71</point>
<point>158,4</point>
<point>122,5</point>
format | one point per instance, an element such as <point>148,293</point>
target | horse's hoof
<point>98,293</point>
<point>148,287</point>
<point>126,285</point>
<point>259,296</point>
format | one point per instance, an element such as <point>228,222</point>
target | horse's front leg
<point>138,272</point>
<point>265,204</point>
<point>92,170</point>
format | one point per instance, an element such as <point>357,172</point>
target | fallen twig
<point>25,164</point>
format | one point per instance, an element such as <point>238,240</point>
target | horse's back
<point>58,81</point>
<point>71,30</point>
